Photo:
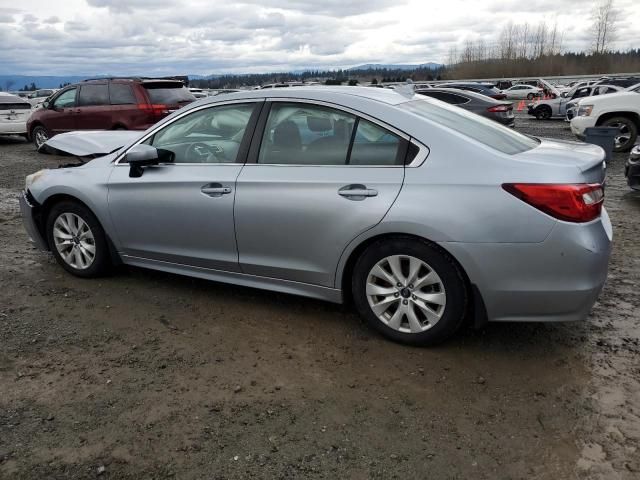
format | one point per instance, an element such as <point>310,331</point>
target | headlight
<point>585,110</point>
<point>30,179</point>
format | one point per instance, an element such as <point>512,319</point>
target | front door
<point>321,177</point>
<point>60,116</point>
<point>182,212</point>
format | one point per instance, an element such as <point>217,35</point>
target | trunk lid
<point>587,158</point>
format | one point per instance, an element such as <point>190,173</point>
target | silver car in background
<point>419,212</point>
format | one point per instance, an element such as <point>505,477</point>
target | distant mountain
<point>400,66</point>
<point>17,82</point>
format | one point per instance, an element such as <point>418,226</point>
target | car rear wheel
<point>625,136</point>
<point>543,112</point>
<point>39,135</point>
<point>77,240</point>
<point>410,291</point>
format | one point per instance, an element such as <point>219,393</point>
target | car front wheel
<point>626,135</point>
<point>410,291</point>
<point>39,135</point>
<point>77,240</point>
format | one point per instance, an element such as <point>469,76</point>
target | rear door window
<point>93,95</point>
<point>374,145</point>
<point>121,94</point>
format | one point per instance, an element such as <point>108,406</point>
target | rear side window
<point>168,93</point>
<point>121,94</point>
<point>92,95</point>
<point>474,126</point>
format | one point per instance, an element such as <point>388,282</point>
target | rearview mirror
<point>141,156</point>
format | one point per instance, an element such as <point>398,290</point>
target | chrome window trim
<point>421,156</point>
<point>178,117</point>
<point>336,106</point>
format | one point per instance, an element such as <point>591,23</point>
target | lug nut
<point>396,294</point>
<point>413,297</point>
<point>399,285</point>
<point>411,285</point>
<point>405,302</point>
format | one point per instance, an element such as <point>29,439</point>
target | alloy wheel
<point>624,134</point>
<point>74,241</point>
<point>40,137</point>
<point>405,293</point>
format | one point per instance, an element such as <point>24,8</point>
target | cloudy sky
<point>48,37</point>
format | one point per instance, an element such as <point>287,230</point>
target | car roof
<point>327,93</point>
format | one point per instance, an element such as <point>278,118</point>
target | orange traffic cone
<point>521,106</point>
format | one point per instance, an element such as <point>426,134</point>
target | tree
<point>374,81</point>
<point>604,26</point>
<point>353,82</point>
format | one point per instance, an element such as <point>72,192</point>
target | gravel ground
<point>150,375</point>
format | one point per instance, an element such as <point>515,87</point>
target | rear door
<point>316,178</point>
<point>93,110</point>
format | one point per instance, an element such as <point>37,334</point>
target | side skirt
<point>285,286</point>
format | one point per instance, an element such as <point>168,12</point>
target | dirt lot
<point>150,375</point>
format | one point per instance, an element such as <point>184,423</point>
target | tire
<point>39,134</point>
<point>63,218</point>
<point>530,96</point>
<point>628,132</point>
<point>438,319</point>
<point>543,112</point>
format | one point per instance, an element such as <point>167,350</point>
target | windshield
<point>474,126</point>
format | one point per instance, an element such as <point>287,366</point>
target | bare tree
<point>452,57</point>
<point>523,41</point>
<point>604,26</point>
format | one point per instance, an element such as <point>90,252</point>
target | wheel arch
<point>476,311</point>
<point>633,116</point>
<point>56,198</point>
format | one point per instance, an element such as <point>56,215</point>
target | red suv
<point>107,104</point>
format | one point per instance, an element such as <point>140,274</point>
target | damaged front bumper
<point>29,209</point>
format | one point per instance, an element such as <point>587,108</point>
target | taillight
<point>570,202</point>
<point>157,110</point>
<point>500,108</point>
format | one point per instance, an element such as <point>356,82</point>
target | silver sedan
<point>420,213</point>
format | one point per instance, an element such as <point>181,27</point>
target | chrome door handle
<point>215,190</point>
<point>357,192</point>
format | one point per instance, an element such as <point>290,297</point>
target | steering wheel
<point>200,152</point>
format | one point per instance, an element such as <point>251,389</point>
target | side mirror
<point>46,104</point>
<point>139,157</point>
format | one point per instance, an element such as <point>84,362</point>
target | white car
<point>556,107</point>
<point>37,97</point>
<point>14,113</point>
<point>620,110</point>
<point>198,92</point>
<point>520,92</point>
